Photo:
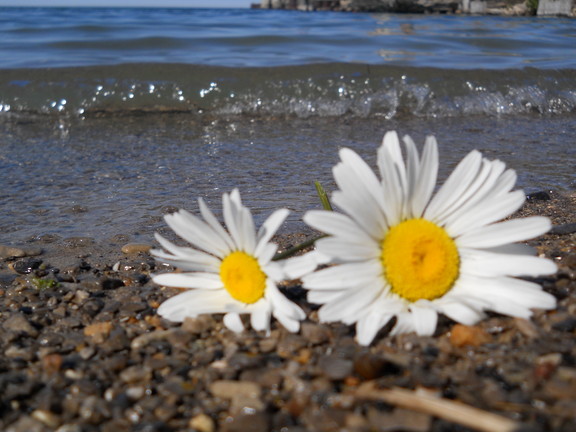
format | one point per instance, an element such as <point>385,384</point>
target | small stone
<point>93,306</point>
<point>400,419</point>
<point>526,327</point>
<point>256,422</point>
<point>136,374</point>
<point>370,366</point>
<point>564,229</point>
<point>26,424</point>
<point>15,352</point>
<point>538,196</point>
<point>244,395</point>
<point>315,333</point>
<point>98,331</point>
<point>52,363</point>
<point>136,248</point>
<point>566,325</point>
<point>202,423</point>
<point>26,266</point>
<point>289,345</point>
<point>228,389</point>
<point>462,335</point>
<point>47,417</point>
<point>335,368</point>
<point>18,323</point>
<point>8,252</point>
<point>199,324</point>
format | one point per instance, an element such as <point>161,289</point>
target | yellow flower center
<point>420,260</point>
<point>243,278</point>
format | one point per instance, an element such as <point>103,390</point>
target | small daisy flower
<point>405,252</point>
<point>226,272</point>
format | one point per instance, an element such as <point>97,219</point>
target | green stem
<point>323,196</point>
<point>289,252</point>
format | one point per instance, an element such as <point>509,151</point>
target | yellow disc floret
<point>243,278</point>
<point>420,260</point>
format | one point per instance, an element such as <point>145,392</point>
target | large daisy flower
<point>226,272</point>
<point>405,252</point>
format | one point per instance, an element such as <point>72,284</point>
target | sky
<point>130,3</point>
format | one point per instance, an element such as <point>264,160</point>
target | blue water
<point>110,116</point>
<point>55,37</point>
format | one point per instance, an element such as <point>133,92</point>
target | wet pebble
<point>335,368</point>
<point>18,323</point>
<point>202,423</point>
<point>26,266</point>
<point>462,335</point>
<point>9,252</point>
<point>315,333</point>
<point>136,248</point>
<point>199,324</point>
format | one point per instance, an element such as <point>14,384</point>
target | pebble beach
<point>82,349</point>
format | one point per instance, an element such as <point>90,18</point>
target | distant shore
<point>465,7</point>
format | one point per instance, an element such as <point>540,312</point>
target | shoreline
<point>83,350</point>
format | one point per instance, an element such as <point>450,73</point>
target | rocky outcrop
<point>491,7</point>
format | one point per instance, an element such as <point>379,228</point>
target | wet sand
<point>82,349</point>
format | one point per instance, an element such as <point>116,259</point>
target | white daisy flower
<point>405,253</point>
<point>227,272</point>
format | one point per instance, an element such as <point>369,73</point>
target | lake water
<point>109,117</point>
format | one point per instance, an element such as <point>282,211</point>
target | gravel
<point>82,349</point>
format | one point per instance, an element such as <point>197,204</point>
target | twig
<point>453,411</point>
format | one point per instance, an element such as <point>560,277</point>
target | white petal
<point>260,318</point>
<point>485,213</point>
<point>274,271</point>
<point>281,305</point>
<point>404,324</point>
<point>289,324</point>
<point>323,296</point>
<point>232,220</point>
<point>187,264</point>
<point>344,276</point>
<point>412,172</point>
<point>460,312</point>
<point>299,266</point>
<point>347,306</point>
<point>214,224</point>
<point>269,228</point>
<point>502,233</point>
<point>197,232</point>
<point>192,303</point>
<point>233,322</point>
<point>199,280</point>
<point>455,186</point>
<point>347,250</point>
<point>359,202</point>
<point>337,224</point>
<point>508,296</point>
<point>480,263</point>
<point>426,180</point>
<point>368,326</point>
<point>424,318</point>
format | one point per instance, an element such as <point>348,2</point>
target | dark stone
<point>93,306</point>
<point>27,266</point>
<point>538,196</point>
<point>567,325</point>
<point>109,284</point>
<point>563,229</point>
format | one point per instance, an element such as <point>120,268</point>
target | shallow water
<point>111,117</point>
<point>102,177</point>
